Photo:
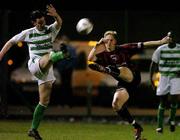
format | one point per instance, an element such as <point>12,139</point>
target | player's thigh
<point>45,91</point>
<point>33,65</point>
<point>175,86</point>
<point>120,98</point>
<point>164,86</point>
<point>126,74</point>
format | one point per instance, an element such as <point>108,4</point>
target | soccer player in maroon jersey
<point>113,59</point>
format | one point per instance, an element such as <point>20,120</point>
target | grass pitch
<point>58,130</point>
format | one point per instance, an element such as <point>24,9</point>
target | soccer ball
<point>84,26</point>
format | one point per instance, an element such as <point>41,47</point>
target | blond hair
<point>111,32</point>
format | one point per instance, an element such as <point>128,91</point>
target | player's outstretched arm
<point>164,40</point>
<point>51,11</point>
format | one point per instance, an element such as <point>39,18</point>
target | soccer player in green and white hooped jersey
<point>39,40</point>
<point>166,60</point>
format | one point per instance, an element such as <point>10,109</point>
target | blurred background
<point>92,92</point>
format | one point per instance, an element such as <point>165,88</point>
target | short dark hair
<point>36,14</point>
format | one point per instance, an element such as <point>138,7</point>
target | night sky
<point>133,20</point>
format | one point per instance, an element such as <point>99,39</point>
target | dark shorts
<point>132,85</point>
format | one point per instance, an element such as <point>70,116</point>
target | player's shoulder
<point>29,30</point>
<point>163,46</point>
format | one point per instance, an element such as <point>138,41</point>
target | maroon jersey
<point>121,56</point>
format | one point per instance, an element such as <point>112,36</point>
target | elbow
<point>89,58</point>
<point>9,44</point>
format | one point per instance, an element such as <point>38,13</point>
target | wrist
<point>160,42</point>
<point>55,16</point>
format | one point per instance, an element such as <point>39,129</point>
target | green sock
<point>37,116</point>
<point>55,56</point>
<point>173,112</point>
<point>160,117</point>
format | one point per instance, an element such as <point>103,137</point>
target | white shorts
<point>41,77</point>
<point>168,85</point>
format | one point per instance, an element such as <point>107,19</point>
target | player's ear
<point>33,23</point>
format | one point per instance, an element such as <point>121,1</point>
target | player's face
<point>110,42</point>
<point>170,37</point>
<point>40,23</point>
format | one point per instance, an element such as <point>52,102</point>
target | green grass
<point>58,130</point>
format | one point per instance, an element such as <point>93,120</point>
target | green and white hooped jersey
<point>39,42</point>
<point>168,60</point>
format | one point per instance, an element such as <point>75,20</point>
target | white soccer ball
<point>84,26</point>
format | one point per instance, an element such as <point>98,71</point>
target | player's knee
<point>45,101</point>
<point>126,74</point>
<point>162,105</point>
<point>43,104</point>
<point>174,105</point>
<point>116,106</point>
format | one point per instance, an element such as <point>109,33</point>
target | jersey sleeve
<point>133,48</point>
<point>156,55</point>
<point>19,37</point>
<point>53,30</point>
<point>137,46</point>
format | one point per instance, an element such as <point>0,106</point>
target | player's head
<point>172,38</point>
<point>111,32</point>
<point>110,39</point>
<point>38,19</point>
<point>171,34</point>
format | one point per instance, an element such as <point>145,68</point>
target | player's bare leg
<point>120,98</point>
<point>126,74</point>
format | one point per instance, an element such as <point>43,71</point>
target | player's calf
<point>172,126</point>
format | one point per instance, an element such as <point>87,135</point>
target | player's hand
<point>165,40</point>
<point>51,11</point>
<point>101,41</point>
<point>100,45</point>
